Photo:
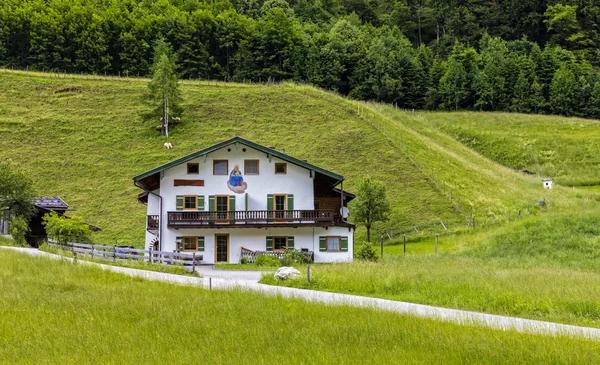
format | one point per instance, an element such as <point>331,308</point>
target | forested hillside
<point>535,56</point>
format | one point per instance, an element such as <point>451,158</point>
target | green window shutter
<point>179,243</point>
<point>290,242</point>
<point>200,202</point>
<point>211,203</point>
<point>270,205</point>
<point>201,243</point>
<point>179,202</point>
<point>290,202</point>
<point>344,243</point>
<point>322,243</point>
<point>232,203</point>
<point>269,243</point>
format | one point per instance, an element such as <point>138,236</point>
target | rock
<point>284,273</point>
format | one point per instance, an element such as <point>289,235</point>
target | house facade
<point>239,196</point>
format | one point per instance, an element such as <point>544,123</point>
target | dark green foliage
<point>266,260</point>
<point>16,193</point>
<point>371,204</point>
<point>366,252</point>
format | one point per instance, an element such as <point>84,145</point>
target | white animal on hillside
<point>168,145</point>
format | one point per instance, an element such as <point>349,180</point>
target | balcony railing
<point>251,218</point>
<point>152,222</point>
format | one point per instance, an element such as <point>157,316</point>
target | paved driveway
<point>207,271</point>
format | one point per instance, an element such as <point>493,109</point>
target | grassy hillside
<point>72,314</point>
<point>567,149</point>
<point>84,140</point>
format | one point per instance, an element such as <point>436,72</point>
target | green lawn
<point>544,268</point>
<point>54,312</point>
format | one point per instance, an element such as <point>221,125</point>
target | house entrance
<point>221,248</point>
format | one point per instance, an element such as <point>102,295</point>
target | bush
<point>19,227</point>
<point>266,260</point>
<point>244,260</point>
<point>366,252</point>
<point>64,229</point>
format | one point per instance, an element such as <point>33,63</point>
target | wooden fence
<point>112,253</point>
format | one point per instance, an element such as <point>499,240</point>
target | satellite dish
<point>344,212</point>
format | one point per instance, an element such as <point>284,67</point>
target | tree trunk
<point>369,233</point>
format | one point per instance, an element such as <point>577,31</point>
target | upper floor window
<point>193,168</point>
<point>220,167</point>
<point>190,202</point>
<point>280,168</point>
<point>251,167</point>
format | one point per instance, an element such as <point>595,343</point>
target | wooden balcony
<point>152,223</point>
<point>251,218</point>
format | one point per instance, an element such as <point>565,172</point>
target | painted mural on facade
<point>236,182</point>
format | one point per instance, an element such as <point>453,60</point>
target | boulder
<point>284,273</point>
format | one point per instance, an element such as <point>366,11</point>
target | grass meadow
<point>544,268</point>
<point>73,314</point>
<point>84,140</point>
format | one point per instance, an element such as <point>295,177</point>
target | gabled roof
<point>148,181</point>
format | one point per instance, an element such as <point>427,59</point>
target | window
<point>280,168</point>
<point>193,168</point>
<point>333,243</point>
<point>190,202</point>
<point>220,167</point>
<point>280,202</point>
<point>280,243</point>
<point>190,243</point>
<point>251,167</point>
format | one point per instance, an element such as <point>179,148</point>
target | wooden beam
<point>180,182</point>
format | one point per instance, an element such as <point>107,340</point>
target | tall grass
<point>58,313</point>
<point>544,268</point>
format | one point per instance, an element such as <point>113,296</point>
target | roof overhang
<point>150,180</point>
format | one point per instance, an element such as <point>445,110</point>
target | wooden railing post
<point>114,253</point>
<point>150,254</point>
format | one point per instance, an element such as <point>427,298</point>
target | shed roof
<point>150,180</point>
<point>51,203</point>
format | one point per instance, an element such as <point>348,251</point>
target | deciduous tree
<point>371,203</point>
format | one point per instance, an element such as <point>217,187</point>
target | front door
<point>221,248</point>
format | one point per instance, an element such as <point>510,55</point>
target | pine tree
<point>164,93</point>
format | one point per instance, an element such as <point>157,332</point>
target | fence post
<point>114,253</point>
<point>74,257</point>
<point>308,273</point>
<point>92,250</point>
<point>193,262</point>
<point>381,244</point>
<point>436,243</point>
<point>405,244</point>
<point>150,254</point>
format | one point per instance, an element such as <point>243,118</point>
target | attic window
<point>193,168</point>
<point>220,167</point>
<point>280,168</point>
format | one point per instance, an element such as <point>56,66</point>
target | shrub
<point>244,260</point>
<point>266,260</point>
<point>19,226</point>
<point>65,229</point>
<point>366,252</point>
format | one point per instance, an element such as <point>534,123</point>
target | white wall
<point>297,181</point>
<point>255,239</point>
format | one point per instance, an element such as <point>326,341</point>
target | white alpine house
<point>238,196</point>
